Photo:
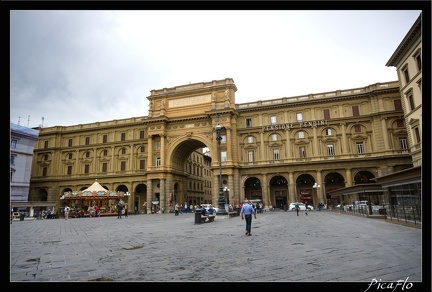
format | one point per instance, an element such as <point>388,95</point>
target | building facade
<point>408,62</point>
<point>280,151</point>
<point>22,141</point>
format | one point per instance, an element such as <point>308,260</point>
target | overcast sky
<point>76,67</point>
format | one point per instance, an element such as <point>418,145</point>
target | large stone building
<point>280,151</point>
<point>403,189</point>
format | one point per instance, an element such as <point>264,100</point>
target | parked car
<point>301,205</point>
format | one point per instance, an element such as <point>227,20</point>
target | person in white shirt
<point>66,212</point>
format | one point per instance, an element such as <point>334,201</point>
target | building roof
<point>18,129</point>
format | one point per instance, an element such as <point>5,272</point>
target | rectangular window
<point>142,149</point>
<point>224,139</point>
<point>403,143</point>
<point>360,148</point>
<point>248,123</point>
<point>397,104</point>
<point>417,135</point>
<point>250,139</point>
<point>158,161</point>
<point>87,154</point>
<point>105,138</point>
<point>274,137</point>
<point>70,155</point>
<point>223,156</point>
<point>46,144</point>
<point>276,154</point>
<point>86,168</point>
<point>326,113</point>
<point>328,132</point>
<point>301,134</point>
<point>400,123</point>
<point>13,143</point>
<point>69,170</point>
<point>302,151</point>
<point>158,145</point>
<point>123,136</point>
<point>250,156</point>
<point>104,167</point>
<point>45,157</point>
<point>357,128</point>
<point>273,120</point>
<point>123,151</point>
<point>418,61</point>
<point>70,143</point>
<point>87,140</point>
<point>411,101</point>
<point>105,152</point>
<point>330,150</point>
<point>355,110</point>
<point>406,74</point>
<point>123,165</point>
<point>299,117</point>
<point>44,171</point>
<point>142,164</point>
<point>142,134</point>
<point>12,159</point>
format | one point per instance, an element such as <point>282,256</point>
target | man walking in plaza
<point>246,212</point>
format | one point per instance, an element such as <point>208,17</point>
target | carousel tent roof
<point>95,187</point>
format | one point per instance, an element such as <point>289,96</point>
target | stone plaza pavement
<point>324,246</point>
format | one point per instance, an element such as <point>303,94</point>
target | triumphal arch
<point>183,119</point>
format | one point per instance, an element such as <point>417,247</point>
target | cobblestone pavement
<point>324,246</point>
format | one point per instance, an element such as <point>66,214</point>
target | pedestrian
<point>125,210</point>
<point>246,212</point>
<point>119,210</point>
<point>66,212</point>
<point>306,207</point>
<point>297,207</point>
<point>176,209</point>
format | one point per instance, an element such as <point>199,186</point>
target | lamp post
<point>127,195</point>
<point>316,187</point>
<point>221,200</point>
<point>226,197</point>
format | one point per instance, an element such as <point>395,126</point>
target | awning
<point>306,197</point>
<point>358,189</point>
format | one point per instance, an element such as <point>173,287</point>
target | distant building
<point>22,141</point>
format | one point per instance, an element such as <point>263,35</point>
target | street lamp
<point>127,195</point>
<point>221,199</point>
<point>226,197</point>
<point>316,187</point>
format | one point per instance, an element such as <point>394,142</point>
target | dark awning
<point>357,189</point>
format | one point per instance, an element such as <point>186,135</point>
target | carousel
<point>93,201</point>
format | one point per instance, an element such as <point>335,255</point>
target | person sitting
<point>211,211</point>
